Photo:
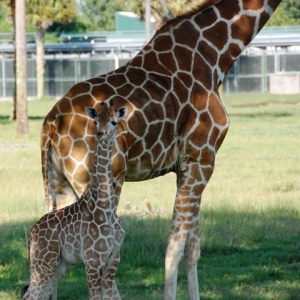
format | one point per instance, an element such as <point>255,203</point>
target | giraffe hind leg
<point>24,290</point>
<point>43,283</point>
<point>49,289</point>
<point>37,291</point>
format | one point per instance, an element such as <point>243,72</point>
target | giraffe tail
<point>24,290</point>
<point>47,172</point>
<point>58,190</point>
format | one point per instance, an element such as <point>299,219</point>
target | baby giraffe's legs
<point>38,290</point>
<point>94,270</point>
<point>44,259</point>
<point>60,272</point>
<point>109,288</point>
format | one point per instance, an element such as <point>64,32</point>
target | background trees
<point>161,9</point>
<point>100,13</point>
<point>97,15</point>
<point>287,14</point>
<point>42,14</point>
<point>5,17</point>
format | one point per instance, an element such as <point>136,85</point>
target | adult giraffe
<point>176,121</point>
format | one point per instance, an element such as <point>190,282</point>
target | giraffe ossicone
<point>175,121</point>
<point>87,231</point>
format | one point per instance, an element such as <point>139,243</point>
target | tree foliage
<point>5,16</point>
<point>42,13</point>
<point>287,14</point>
<point>95,15</point>
<point>176,6</point>
<point>100,13</point>
<point>79,24</point>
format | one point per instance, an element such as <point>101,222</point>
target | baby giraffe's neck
<point>101,190</point>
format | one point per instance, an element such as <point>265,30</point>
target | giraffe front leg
<point>187,246</point>
<point>183,244</point>
<point>93,274</point>
<point>173,257</point>
<point>184,241</point>
<point>108,283</point>
<point>192,256</point>
<point>109,290</point>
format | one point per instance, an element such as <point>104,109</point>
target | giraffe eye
<point>95,122</point>
<point>114,123</point>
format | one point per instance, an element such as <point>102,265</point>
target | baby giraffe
<point>87,231</point>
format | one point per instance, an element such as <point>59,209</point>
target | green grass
<point>250,217</point>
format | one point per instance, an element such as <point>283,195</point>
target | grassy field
<point>250,218</point>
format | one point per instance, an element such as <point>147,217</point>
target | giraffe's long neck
<point>101,189</point>
<point>204,44</point>
<point>227,27</point>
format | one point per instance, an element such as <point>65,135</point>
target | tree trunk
<point>13,115</point>
<point>147,4</point>
<point>40,60</point>
<point>21,68</point>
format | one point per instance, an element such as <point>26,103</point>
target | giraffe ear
<point>122,111</point>
<point>91,112</point>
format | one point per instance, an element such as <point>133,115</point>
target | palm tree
<point>42,14</point>
<point>9,6</point>
<point>21,67</point>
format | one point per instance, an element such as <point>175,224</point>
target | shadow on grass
<point>259,100</point>
<point>244,256</point>
<point>262,114</point>
<point>13,258</point>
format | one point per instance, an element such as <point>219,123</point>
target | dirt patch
<point>10,147</point>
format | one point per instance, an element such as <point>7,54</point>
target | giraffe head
<point>106,119</point>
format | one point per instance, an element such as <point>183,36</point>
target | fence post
<point>264,81</point>
<point>3,78</point>
<point>117,64</point>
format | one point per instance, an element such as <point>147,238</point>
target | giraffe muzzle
<point>99,135</point>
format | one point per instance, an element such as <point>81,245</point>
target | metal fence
<point>250,73</point>
<point>60,73</point>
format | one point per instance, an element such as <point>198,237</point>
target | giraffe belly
<point>151,165</point>
<point>132,176</point>
<point>72,253</point>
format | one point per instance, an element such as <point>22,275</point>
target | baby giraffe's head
<point>106,119</point>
